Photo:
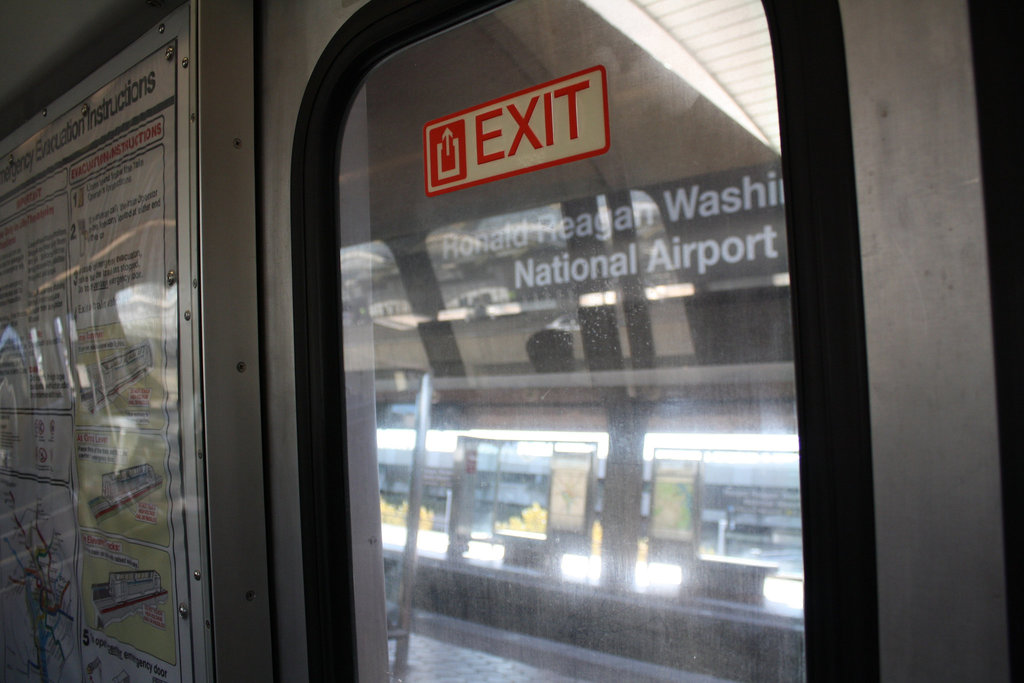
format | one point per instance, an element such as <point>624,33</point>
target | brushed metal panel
<point>292,36</point>
<point>230,340</point>
<point>940,556</point>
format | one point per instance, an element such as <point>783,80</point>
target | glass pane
<point>565,298</point>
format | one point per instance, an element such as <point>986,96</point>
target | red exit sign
<point>549,124</point>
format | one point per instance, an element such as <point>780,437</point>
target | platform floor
<point>432,661</point>
<point>495,655</point>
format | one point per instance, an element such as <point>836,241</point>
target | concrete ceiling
<point>47,46</point>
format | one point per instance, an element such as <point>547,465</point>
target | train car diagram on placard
<point>126,594</point>
<point>123,486</point>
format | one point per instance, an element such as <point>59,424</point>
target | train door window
<point>565,303</point>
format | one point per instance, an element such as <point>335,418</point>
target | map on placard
<point>38,598</point>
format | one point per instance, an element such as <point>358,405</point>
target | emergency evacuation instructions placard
<point>91,524</point>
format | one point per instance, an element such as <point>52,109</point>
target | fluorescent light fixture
<point>573,447</point>
<point>787,592</point>
<point>405,440</point>
<point>396,439</point>
<point>400,322</point>
<point>451,314</point>
<point>600,438</point>
<point>581,568</point>
<point>722,442</point>
<point>442,442</point>
<point>725,448</point>
<point>534,449</point>
<point>672,454</point>
<point>365,256</point>
<point>657,574</point>
<point>751,458</point>
<point>609,298</point>
<point>484,552</point>
<point>659,292</point>
<point>496,310</point>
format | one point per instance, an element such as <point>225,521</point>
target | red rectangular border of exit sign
<point>553,123</point>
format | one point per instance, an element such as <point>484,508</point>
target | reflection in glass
<point>606,456</point>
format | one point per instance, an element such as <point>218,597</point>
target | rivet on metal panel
<point>183,610</point>
<point>172,278</point>
<point>184,62</point>
<point>241,366</point>
<point>250,595</point>
<point>188,315</point>
<point>160,28</point>
<point>197,575</point>
<point>237,142</point>
<point>169,52</point>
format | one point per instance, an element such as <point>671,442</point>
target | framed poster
<point>99,492</point>
<point>674,507</point>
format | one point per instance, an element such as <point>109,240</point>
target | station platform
<point>446,650</point>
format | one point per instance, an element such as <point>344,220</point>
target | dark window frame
<point>840,585</point>
<point>997,54</point>
<point>832,390</point>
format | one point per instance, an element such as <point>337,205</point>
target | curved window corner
<point>567,345</point>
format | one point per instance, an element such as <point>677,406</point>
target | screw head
<point>184,62</point>
<point>85,108</point>
<point>160,28</point>
<point>183,610</point>
<point>169,52</point>
<point>241,366</point>
<point>188,315</point>
<point>250,595</point>
<point>197,575</point>
<point>172,278</point>
<point>237,142</point>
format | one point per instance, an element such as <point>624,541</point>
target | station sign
<point>553,123</point>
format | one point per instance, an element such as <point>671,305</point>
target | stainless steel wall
<point>936,460</point>
<point>291,37</point>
